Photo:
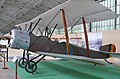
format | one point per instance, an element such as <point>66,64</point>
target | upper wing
<point>74,10</point>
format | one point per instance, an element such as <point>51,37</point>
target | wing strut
<point>65,30</point>
<point>53,30</point>
<point>40,31</point>
<point>35,25</point>
<point>86,37</point>
<point>30,27</point>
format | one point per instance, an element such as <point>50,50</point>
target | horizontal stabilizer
<point>113,54</point>
<point>108,48</point>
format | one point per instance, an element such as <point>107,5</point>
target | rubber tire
<point>31,66</point>
<point>22,65</point>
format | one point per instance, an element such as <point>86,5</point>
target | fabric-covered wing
<point>74,10</point>
<point>81,58</point>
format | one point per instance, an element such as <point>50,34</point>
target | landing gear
<point>31,66</point>
<point>22,62</point>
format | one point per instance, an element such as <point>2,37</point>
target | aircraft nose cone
<point>20,39</point>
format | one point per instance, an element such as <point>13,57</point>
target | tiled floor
<point>6,73</point>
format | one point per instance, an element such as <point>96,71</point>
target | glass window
<point>118,9</point>
<point>118,2</point>
<point>106,4</point>
<point>106,23</point>
<point>92,25</point>
<point>112,22</point>
<point>118,27</point>
<point>102,28</point>
<point>112,27</point>
<point>113,9</point>
<point>100,23</point>
<point>61,31</point>
<point>118,20</point>
<point>109,1</point>
<point>56,31</point>
<point>94,30</point>
<point>102,3</point>
<point>112,3</point>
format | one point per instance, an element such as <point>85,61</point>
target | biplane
<point>67,14</point>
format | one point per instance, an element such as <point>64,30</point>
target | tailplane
<point>108,48</point>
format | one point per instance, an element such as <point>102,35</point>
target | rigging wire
<point>53,30</point>
<point>35,25</point>
<point>52,20</point>
<point>71,23</point>
<point>75,23</point>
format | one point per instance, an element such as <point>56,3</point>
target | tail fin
<point>108,48</point>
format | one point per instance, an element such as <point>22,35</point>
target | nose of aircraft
<point>19,39</point>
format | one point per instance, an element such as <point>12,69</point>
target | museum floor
<point>63,69</point>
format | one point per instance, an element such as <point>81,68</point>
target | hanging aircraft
<point>72,12</point>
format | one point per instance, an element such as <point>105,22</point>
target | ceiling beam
<point>99,1</point>
<point>29,6</point>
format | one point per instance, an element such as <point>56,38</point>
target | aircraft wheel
<point>31,67</point>
<point>22,62</point>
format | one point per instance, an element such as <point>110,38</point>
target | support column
<point>7,54</point>
<point>65,30</point>
<point>90,29</point>
<point>115,27</point>
<point>58,31</point>
<point>86,38</point>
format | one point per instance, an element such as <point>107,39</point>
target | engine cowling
<point>20,39</point>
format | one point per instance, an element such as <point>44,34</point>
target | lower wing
<point>81,58</point>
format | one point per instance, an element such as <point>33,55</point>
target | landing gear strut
<point>31,66</point>
<point>22,62</point>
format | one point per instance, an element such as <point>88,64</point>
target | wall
<point>112,36</point>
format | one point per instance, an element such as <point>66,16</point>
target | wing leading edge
<point>75,9</point>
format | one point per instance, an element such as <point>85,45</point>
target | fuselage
<point>31,42</point>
